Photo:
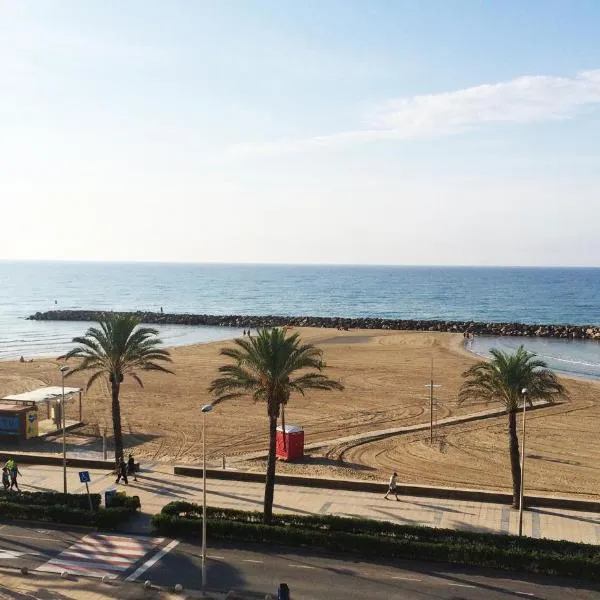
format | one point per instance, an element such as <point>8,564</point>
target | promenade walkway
<point>157,486</point>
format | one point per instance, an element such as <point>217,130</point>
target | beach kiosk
<point>31,414</point>
<point>17,423</point>
<point>290,443</point>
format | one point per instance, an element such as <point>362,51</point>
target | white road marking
<point>22,537</point>
<point>461,585</point>
<point>16,554</point>
<point>406,578</point>
<point>251,560</point>
<point>301,566</point>
<point>98,554</point>
<point>216,557</point>
<point>152,561</point>
<point>525,593</point>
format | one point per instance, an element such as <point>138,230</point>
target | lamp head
<point>524,391</point>
<point>64,369</point>
<point>207,408</point>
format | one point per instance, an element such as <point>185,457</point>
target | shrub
<point>51,498</point>
<point>122,501</point>
<point>104,518</point>
<point>383,539</point>
<point>180,508</point>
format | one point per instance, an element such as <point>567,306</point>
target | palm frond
<point>504,377</point>
<point>119,346</point>
<point>264,368</point>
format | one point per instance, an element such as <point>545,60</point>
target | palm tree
<point>269,367</point>
<point>119,347</point>
<point>503,379</point>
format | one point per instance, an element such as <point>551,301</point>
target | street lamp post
<point>524,395</point>
<point>205,409</point>
<point>63,371</point>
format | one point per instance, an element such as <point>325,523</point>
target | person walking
<point>5,479</point>
<point>131,467</point>
<point>122,472</point>
<point>393,487</point>
<point>14,474</point>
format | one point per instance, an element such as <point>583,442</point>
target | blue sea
<point>527,295</point>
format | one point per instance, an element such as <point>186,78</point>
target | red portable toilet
<point>294,442</point>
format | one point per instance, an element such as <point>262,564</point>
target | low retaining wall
<point>254,322</point>
<point>57,461</point>
<point>422,491</point>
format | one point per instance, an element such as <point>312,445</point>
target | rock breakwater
<point>255,322</point>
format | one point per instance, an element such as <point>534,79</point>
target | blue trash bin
<point>108,495</point>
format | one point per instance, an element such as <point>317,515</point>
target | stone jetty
<point>590,332</point>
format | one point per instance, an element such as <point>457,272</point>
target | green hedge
<point>105,518</point>
<point>378,539</point>
<point>51,498</point>
<point>69,509</point>
<point>122,501</point>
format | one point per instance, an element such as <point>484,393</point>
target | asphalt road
<point>309,576</point>
<point>80,551</point>
<point>259,570</point>
<point>32,546</point>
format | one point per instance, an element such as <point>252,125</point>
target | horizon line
<point>292,264</point>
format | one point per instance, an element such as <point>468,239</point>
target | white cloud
<point>526,99</point>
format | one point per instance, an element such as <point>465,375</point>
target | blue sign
<point>9,425</point>
<point>32,418</point>
<point>84,476</point>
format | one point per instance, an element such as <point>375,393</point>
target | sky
<point>425,132</point>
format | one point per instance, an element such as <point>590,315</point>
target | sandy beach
<point>385,375</point>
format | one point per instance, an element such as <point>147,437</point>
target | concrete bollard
<point>147,584</point>
<point>105,579</point>
<point>178,588</point>
<point>64,574</point>
<point>24,571</point>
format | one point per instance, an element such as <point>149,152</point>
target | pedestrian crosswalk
<point>100,555</point>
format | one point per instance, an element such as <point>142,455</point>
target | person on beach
<point>131,467</point>
<point>393,487</point>
<point>5,479</point>
<point>122,472</point>
<point>14,474</point>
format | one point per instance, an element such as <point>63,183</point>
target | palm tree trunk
<point>270,479</point>
<point>116,417</point>
<point>515,464</point>
<point>283,426</point>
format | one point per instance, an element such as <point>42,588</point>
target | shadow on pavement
<point>564,516</point>
<point>186,569</point>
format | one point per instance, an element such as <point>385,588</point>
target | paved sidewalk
<point>37,586</point>
<point>159,486</point>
